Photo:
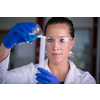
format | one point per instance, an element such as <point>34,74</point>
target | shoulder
<point>87,78</point>
<point>80,76</point>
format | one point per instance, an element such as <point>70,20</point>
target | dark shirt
<point>61,82</point>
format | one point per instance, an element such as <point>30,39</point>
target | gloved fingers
<point>32,25</point>
<point>43,76</point>
<point>31,41</point>
<point>24,29</point>
<point>24,32</point>
<point>28,27</point>
<point>42,80</point>
<point>17,34</point>
<point>38,83</point>
<point>44,71</point>
<point>20,40</point>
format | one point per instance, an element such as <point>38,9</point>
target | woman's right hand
<point>19,34</point>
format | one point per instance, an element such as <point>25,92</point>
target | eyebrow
<point>63,36</point>
<point>58,37</point>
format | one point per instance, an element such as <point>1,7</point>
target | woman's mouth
<point>56,54</point>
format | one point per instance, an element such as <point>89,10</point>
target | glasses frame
<point>57,40</point>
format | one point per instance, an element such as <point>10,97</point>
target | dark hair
<point>62,20</point>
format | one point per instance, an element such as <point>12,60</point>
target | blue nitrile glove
<point>19,34</point>
<point>46,77</point>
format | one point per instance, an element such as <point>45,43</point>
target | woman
<point>59,32</point>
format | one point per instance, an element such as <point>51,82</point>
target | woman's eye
<point>62,40</point>
<point>49,40</point>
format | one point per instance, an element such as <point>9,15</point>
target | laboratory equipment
<point>42,51</point>
<point>41,54</point>
<point>36,32</point>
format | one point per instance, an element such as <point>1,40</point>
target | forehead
<point>58,30</point>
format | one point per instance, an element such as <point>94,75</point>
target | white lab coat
<point>26,74</point>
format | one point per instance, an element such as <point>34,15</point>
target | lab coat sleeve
<point>88,78</point>
<point>19,75</point>
<point>3,69</point>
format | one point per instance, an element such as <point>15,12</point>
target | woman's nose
<point>56,46</point>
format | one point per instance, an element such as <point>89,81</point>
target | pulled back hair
<point>61,20</point>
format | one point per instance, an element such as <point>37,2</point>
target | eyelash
<point>62,40</point>
<point>49,40</point>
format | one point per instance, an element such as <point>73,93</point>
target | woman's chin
<point>56,61</point>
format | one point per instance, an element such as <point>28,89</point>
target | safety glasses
<point>61,40</point>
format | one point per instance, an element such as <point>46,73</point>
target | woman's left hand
<point>46,77</point>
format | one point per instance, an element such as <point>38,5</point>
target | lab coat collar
<point>72,74</point>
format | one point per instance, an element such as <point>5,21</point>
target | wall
<point>82,22</point>
<point>7,23</point>
<point>98,53</point>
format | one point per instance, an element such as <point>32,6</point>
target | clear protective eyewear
<point>61,40</point>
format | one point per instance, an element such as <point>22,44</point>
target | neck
<point>59,68</point>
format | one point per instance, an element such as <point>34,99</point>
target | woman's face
<point>57,53</point>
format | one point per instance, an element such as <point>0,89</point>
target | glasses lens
<point>60,41</point>
<point>49,40</point>
<point>63,40</point>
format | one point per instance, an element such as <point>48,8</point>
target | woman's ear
<point>72,43</point>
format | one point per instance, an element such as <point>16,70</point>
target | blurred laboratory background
<point>86,48</point>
